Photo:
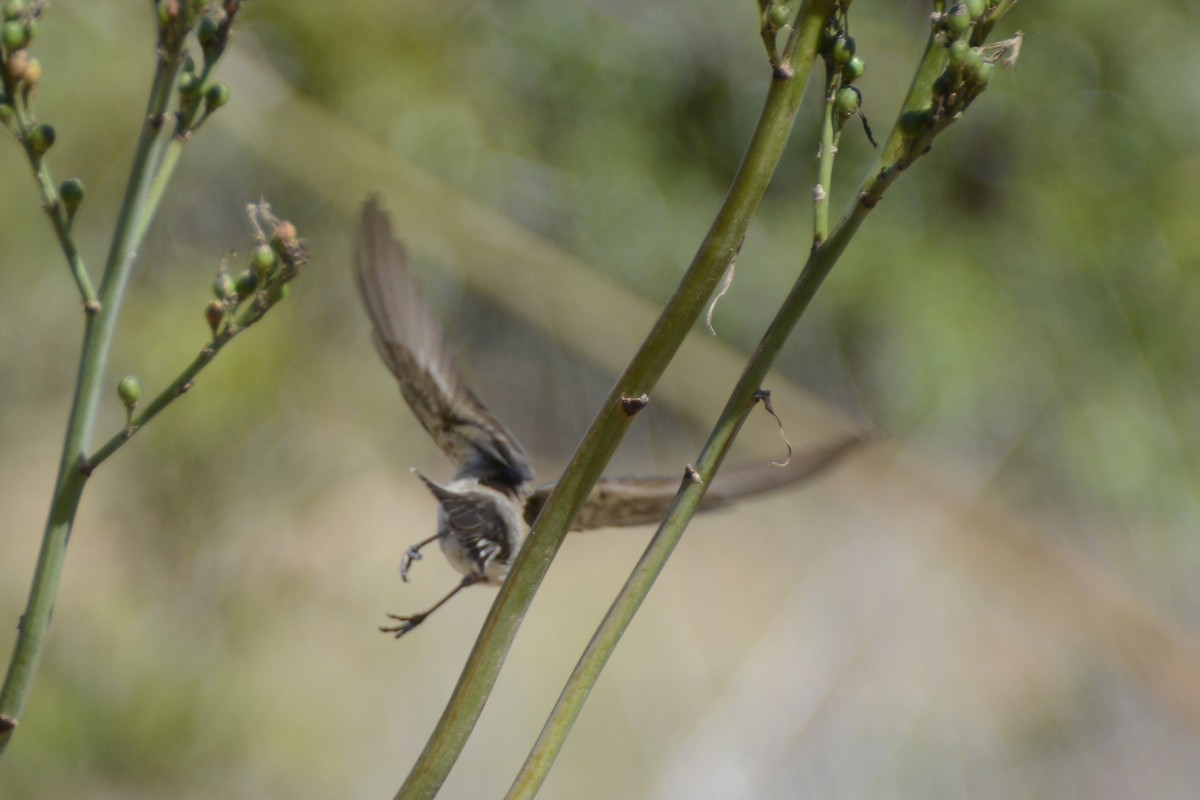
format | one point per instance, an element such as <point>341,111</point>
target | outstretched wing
<point>409,339</point>
<point>616,502</point>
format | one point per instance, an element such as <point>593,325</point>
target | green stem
<point>35,622</point>
<point>741,401</point>
<point>613,420</point>
<point>162,177</point>
<point>825,162</point>
<point>52,204</point>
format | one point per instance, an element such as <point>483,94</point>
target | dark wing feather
<point>409,339</point>
<point>616,502</point>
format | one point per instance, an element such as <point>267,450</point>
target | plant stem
<point>741,401</point>
<point>53,207</point>
<point>613,420</point>
<point>828,150</point>
<point>35,622</point>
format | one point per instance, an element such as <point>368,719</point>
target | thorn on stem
<point>7,723</point>
<point>91,307</point>
<point>691,475</point>
<point>632,405</point>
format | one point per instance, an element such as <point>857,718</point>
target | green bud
<point>216,96</point>
<point>129,390</point>
<point>958,21</point>
<point>223,286</point>
<point>245,285</point>
<point>6,111</point>
<point>846,102</point>
<point>14,9</point>
<point>843,50</point>
<point>189,83</point>
<point>14,35</point>
<point>214,314</point>
<point>982,74</point>
<point>263,261</point>
<point>206,33</point>
<point>71,193</point>
<point>778,16</point>
<point>41,139</point>
<point>853,70</point>
<point>976,8</point>
<point>973,62</point>
<point>959,51</point>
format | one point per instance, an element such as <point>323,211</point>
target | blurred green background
<point>997,601</point>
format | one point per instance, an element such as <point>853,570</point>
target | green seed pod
<point>959,51</point>
<point>973,62</point>
<point>216,96</point>
<point>189,83</point>
<point>223,286</point>
<point>14,9</point>
<point>843,50</point>
<point>853,70</point>
<point>846,102</point>
<point>976,8</point>
<point>6,111</point>
<point>71,193</point>
<point>245,285</point>
<point>958,21</point>
<point>207,31</point>
<point>13,35</point>
<point>129,389</point>
<point>41,139</point>
<point>263,261</point>
<point>982,74</point>
<point>214,314</point>
<point>778,16</point>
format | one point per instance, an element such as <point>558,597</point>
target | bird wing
<point>409,339</point>
<point>617,502</point>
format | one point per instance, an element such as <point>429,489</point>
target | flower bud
<point>245,285</point>
<point>214,314</point>
<point>846,102</point>
<point>14,35</point>
<point>843,50</point>
<point>778,16</point>
<point>129,390</point>
<point>33,73</point>
<point>41,139</point>
<point>263,261</point>
<point>14,9</point>
<point>223,286</point>
<point>216,96</point>
<point>853,70</point>
<point>71,193</point>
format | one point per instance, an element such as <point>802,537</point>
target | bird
<point>488,506</point>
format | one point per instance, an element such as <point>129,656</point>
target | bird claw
<point>407,624</point>
<point>410,555</point>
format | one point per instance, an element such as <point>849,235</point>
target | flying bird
<point>486,509</point>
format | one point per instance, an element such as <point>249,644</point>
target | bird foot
<point>410,555</point>
<point>407,623</point>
